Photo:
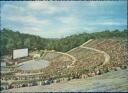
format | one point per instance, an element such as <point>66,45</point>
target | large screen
<point>18,53</point>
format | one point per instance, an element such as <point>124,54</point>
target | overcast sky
<point>60,19</point>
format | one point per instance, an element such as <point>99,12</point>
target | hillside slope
<point>88,68</point>
<point>115,48</point>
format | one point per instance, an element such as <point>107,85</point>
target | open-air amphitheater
<point>94,57</point>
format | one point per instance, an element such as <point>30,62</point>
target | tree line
<point>15,40</point>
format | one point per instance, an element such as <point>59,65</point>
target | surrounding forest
<point>14,40</point>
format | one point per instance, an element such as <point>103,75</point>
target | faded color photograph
<point>64,46</point>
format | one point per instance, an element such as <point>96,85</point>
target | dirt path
<point>107,57</point>
<point>71,65</point>
<point>72,57</point>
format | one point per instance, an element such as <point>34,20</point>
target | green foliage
<point>12,40</point>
